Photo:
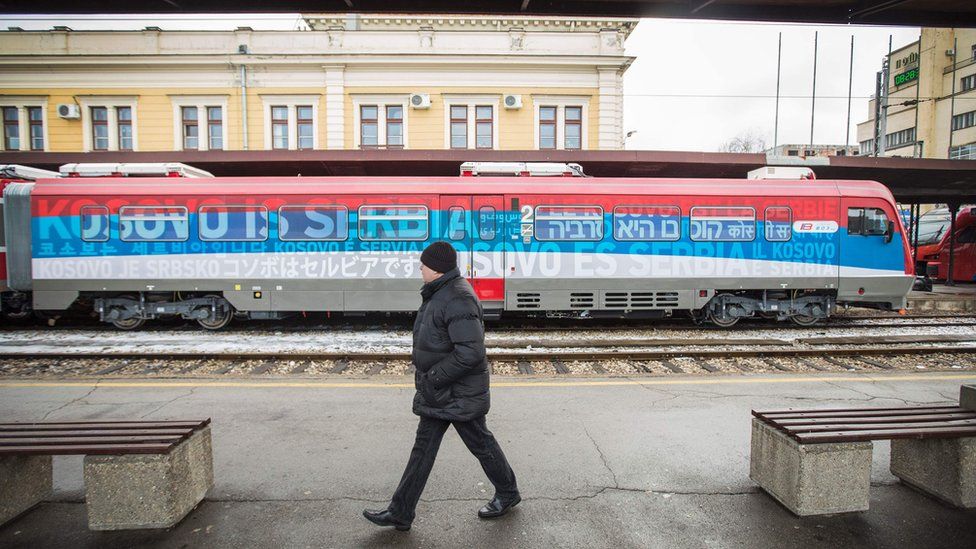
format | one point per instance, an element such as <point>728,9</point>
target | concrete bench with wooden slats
<point>138,474</point>
<point>819,461</point>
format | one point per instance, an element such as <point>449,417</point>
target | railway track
<point>842,354</point>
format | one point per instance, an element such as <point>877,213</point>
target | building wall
<point>931,116</point>
<point>557,61</point>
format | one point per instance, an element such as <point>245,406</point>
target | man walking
<point>452,389</point>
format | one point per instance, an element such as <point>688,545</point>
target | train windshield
<point>931,228</point>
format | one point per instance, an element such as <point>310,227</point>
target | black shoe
<point>496,507</point>
<point>385,518</point>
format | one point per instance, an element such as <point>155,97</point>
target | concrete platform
<point>659,462</point>
<point>960,298</point>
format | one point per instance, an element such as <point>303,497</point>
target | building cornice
<point>413,22</point>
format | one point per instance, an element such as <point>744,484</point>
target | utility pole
<point>779,58</point>
<point>813,104</point>
<point>850,84</point>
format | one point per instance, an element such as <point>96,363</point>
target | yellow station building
<point>349,82</point>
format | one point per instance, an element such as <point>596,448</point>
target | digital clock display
<point>906,77</point>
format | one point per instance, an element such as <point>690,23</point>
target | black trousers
<point>479,441</point>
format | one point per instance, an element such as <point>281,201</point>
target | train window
<point>153,223</point>
<point>486,223</point>
<point>313,222</point>
<point>647,223</point>
<point>94,223</point>
<point>967,236</point>
<point>393,222</point>
<point>568,223</point>
<point>867,221</point>
<point>233,223</point>
<point>778,223</point>
<point>723,223</point>
<point>456,218</point>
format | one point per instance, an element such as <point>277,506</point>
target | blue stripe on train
<point>60,236</point>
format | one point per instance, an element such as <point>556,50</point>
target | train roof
<point>278,185</point>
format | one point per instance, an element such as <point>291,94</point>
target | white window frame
<point>561,102</point>
<point>111,104</point>
<point>23,124</point>
<point>471,102</point>
<point>201,102</point>
<point>381,102</point>
<point>291,102</point>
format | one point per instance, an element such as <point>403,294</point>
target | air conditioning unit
<point>69,111</point>
<point>420,100</point>
<point>513,101</point>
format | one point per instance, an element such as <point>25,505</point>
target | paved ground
<point>613,463</point>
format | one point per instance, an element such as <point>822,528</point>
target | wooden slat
<point>847,436</point>
<point>867,412</point>
<point>843,427</point>
<point>819,410</point>
<point>97,433</point>
<point>93,449</point>
<point>74,441</point>
<point>792,423</point>
<point>86,425</point>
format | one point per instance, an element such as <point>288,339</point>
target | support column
<point>138,491</point>
<point>24,482</point>
<point>811,479</point>
<point>610,136</point>
<point>335,99</point>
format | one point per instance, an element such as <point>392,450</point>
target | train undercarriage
<point>131,310</point>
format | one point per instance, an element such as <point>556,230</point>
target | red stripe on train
<point>488,289</point>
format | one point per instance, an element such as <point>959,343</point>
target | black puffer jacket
<point>449,352</point>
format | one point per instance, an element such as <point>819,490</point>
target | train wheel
<point>222,316</point>
<point>722,321</point>
<point>129,323</point>
<point>804,320</point>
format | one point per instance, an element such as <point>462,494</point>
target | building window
<point>963,152</point>
<point>900,138</point>
<point>483,126</point>
<point>867,147</point>
<point>99,117</point>
<point>369,135</point>
<point>215,128</point>
<point>394,126</point>
<point>547,127</point>
<point>968,82</point>
<point>35,116</point>
<point>306,137</point>
<point>124,118</point>
<point>191,130</point>
<point>964,120</point>
<point>809,152</point>
<point>279,127</point>
<point>574,128</point>
<point>459,126</point>
<point>792,152</point>
<point>11,129</point>
<point>840,152</point>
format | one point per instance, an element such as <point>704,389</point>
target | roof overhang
<point>936,13</point>
<point>911,180</point>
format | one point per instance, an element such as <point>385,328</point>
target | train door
<point>473,224</point>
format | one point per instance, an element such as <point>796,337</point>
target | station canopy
<point>910,179</point>
<point>932,13</point>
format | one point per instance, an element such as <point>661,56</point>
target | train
<point>532,243</point>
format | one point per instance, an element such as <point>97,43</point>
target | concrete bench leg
<point>811,479</point>
<point>24,482</point>
<point>942,467</point>
<point>148,490</point>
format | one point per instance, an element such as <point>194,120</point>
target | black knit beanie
<point>440,257</point>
